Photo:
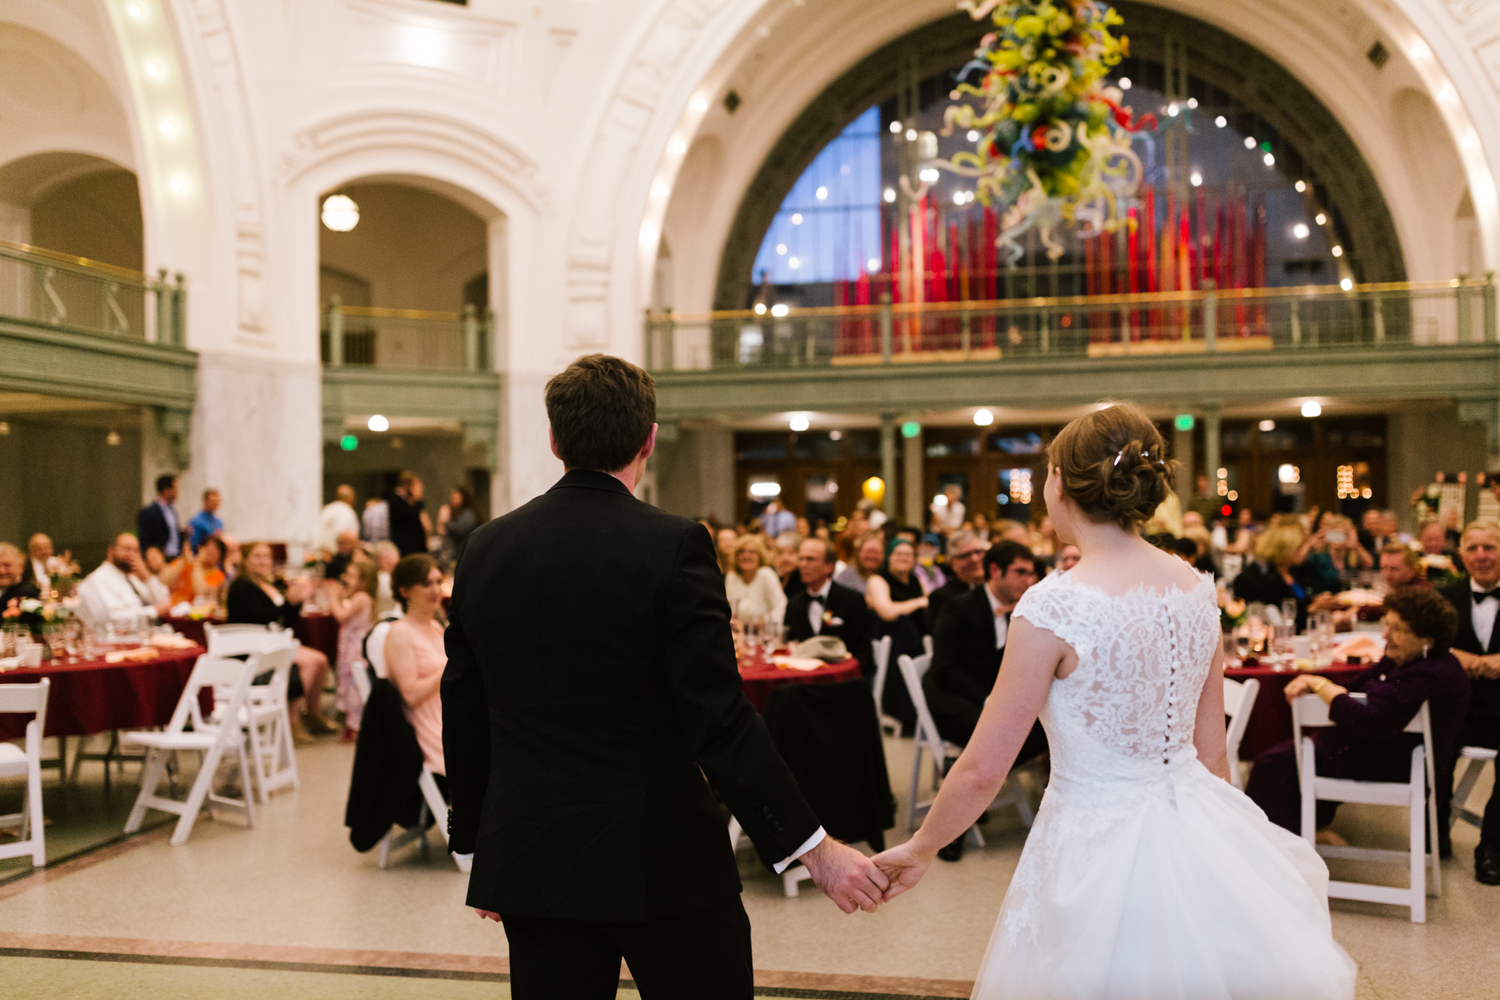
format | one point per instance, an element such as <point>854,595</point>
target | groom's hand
<point>847,877</point>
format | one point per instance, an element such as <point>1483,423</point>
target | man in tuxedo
<point>1477,647</point>
<point>582,712</point>
<point>15,582</point>
<point>156,524</point>
<point>828,608</point>
<point>409,524</point>
<point>967,647</point>
<point>966,571</point>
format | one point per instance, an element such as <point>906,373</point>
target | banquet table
<point>317,629</point>
<point>1271,719</point>
<point>95,696</point>
<point>759,676</point>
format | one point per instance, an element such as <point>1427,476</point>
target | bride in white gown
<point>1146,876</point>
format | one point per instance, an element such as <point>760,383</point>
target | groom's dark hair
<point>601,409</point>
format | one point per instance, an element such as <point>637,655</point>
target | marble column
<point>888,462</point>
<point>912,492</point>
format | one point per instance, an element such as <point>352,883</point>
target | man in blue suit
<point>156,523</point>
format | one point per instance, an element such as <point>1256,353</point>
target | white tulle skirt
<point>1177,890</point>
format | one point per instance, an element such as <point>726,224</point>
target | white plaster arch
<point>810,45</point>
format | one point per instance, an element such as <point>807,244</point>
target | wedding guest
<point>1366,741</point>
<point>968,646</point>
<point>44,565</point>
<point>1275,575</point>
<point>928,571</point>
<point>197,581</point>
<point>1477,648</point>
<point>965,572</point>
<point>15,583</point>
<point>825,607</point>
<point>233,556</point>
<point>895,595</point>
<point>1434,539</point>
<point>351,601</point>
<point>947,509</point>
<point>336,518</point>
<point>409,522</point>
<point>753,589</point>
<point>456,522</point>
<point>804,529</point>
<point>1372,532</point>
<point>156,563</point>
<point>343,552</point>
<point>156,525</point>
<point>864,563</point>
<point>776,519</point>
<point>1068,557</point>
<point>117,589</point>
<point>1401,566</point>
<point>206,523</point>
<point>255,598</point>
<point>386,558</point>
<point>785,564</point>
<point>872,515</point>
<point>1005,529</point>
<point>375,522</point>
<point>981,526</point>
<point>414,653</point>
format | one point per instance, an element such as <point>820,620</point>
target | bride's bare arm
<point>1208,728</point>
<point>1032,657</point>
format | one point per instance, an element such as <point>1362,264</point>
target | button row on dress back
<point>1171,680</point>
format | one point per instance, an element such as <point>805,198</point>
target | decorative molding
<point>472,399</point>
<point>382,40</point>
<point>55,361</point>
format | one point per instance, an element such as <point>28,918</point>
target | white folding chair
<point>434,805</point>
<point>209,741</point>
<point>929,739</point>
<point>1477,757</point>
<point>266,716</point>
<point>14,762</point>
<point>242,640</point>
<point>1426,875</point>
<point>882,654</point>
<point>375,645</point>
<point>1239,702</point>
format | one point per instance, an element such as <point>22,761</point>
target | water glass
<point>1289,611</point>
<point>1281,641</point>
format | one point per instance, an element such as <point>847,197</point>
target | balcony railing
<point>406,338</point>
<point>1316,317</point>
<point>75,293</point>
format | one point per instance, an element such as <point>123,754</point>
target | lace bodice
<point>1143,657</point>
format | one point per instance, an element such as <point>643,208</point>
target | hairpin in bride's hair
<point>1145,454</point>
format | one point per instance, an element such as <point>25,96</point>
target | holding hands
<point>847,877</point>
<point>903,866</point>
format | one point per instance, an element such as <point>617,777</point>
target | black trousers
<point>684,956</point>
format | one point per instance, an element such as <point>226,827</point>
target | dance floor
<point>291,908</point>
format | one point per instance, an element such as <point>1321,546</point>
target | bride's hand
<point>903,866</point>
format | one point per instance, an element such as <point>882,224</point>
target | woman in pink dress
<point>351,601</point>
<point>414,653</point>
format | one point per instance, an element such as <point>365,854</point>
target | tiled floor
<point>291,906</point>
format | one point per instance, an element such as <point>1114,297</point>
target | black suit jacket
<point>854,624</point>
<point>152,531</point>
<point>591,673</point>
<point>1484,706</point>
<point>938,599</point>
<point>965,661</point>
<point>405,524</point>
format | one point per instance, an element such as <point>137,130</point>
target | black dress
<point>1259,583</point>
<point>248,604</point>
<point>906,634</point>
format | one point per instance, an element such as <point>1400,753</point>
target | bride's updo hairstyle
<point>1113,465</point>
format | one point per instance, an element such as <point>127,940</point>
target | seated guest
<point>117,590</point>
<point>1477,648</point>
<point>785,563</point>
<point>752,587</point>
<point>345,546</point>
<point>1366,741</point>
<point>865,561</point>
<point>895,595</point>
<point>197,581</point>
<point>255,598</point>
<point>967,648</point>
<point>965,572</point>
<point>44,565</point>
<point>15,583</point>
<point>1275,575</point>
<point>386,558</point>
<point>828,608</point>
<point>1401,566</point>
<point>928,570</point>
<point>724,546</point>
<point>1067,557</point>
<point>351,601</point>
<point>156,564</point>
<point>415,656</point>
<point>206,523</point>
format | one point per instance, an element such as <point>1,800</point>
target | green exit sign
<point>348,442</point>
<point>1185,422</point>
<point>910,429</point>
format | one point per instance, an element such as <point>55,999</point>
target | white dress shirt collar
<point>1482,614</point>
<point>817,604</point>
<point>1002,618</point>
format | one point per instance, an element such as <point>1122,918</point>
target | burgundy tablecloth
<point>92,696</point>
<point>317,629</point>
<point>760,677</point>
<point>1271,719</point>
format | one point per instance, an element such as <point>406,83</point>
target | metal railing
<point>75,293</point>
<point>406,338</point>
<point>1314,317</point>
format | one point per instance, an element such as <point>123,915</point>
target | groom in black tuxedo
<point>591,685</point>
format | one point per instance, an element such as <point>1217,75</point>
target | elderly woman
<point>864,562</point>
<point>753,589</point>
<point>1276,574</point>
<point>895,595</point>
<point>1367,742</point>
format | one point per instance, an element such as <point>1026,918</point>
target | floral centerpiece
<point>35,616</point>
